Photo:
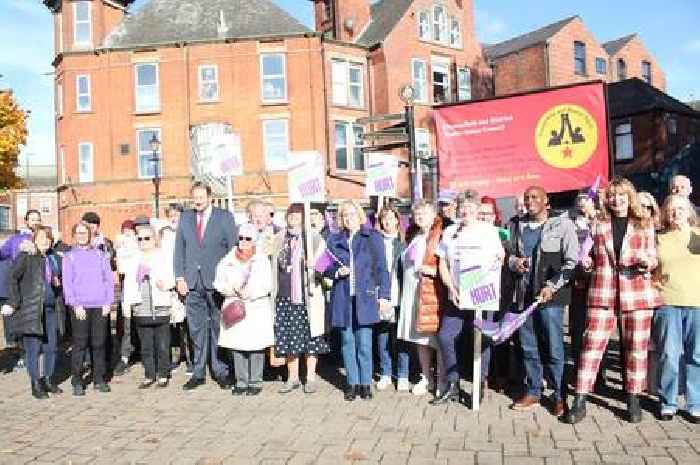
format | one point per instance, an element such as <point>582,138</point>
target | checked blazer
<point>612,275</point>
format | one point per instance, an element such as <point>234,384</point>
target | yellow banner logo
<point>566,136</point>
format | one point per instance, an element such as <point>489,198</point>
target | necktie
<point>200,227</point>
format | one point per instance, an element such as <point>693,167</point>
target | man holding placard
<point>471,257</point>
<point>544,252</point>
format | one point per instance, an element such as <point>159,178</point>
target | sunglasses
<point>245,238</point>
<point>144,238</point>
<point>648,207</point>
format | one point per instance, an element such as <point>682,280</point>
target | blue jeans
<point>676,333</point>
<point>542,342</point>
<point>356,347</point>
<point>386,345</point>
<point>34,345</point>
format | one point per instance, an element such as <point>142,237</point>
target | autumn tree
<point>13,135</point>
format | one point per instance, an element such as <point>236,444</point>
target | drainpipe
<point>547,74</point>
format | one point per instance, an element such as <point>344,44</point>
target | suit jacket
<point>371,277</point>
<point>192,258</point>
<point>612,275</point>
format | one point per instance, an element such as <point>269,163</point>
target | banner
<point>382,173</point>
<point>557,139</point>
<point>306,177</point>
<point>226,155</point>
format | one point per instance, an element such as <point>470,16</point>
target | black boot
<point>451,393</point>
<point>350,393</point>
<point>577,412</point>
<point>38,390</point>
<point>634,411</point>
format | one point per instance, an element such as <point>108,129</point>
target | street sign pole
<point>412,158</point>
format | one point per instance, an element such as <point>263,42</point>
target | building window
<point>276,143</point>
<point>424,25</point>
<point>580,58</point>
<point>59,99</point>
<point>464,84</point>
<point>621,69</point>
<point>45,206</point>
<point>85,162</point>
<point>624,146</point>
<point>439,24</point>
<point>646,72</point>
<point>274,82</point>
<point>420,80</point>
<point>601,66</point>
<point>82,33</point>
<point>147,165</point>
<point>82,93</point>
<point>147,93</point>
<point>441,82</point>
<point>423,143</point>
<point>455,33</point>
<point>208,83</point>
<point>672,125</point>
<point>347,81</point>
<point>348,147</point>
<point>4,218</point>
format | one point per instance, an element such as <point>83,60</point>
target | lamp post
<point>155,148</point>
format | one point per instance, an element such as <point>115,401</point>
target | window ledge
<point>441,44</point>
<point>147,112</point>
<point>84,112</point>
<point>349,107</point>
<point>271,103</point>
<point>358,173</point>
<point>209,102</point>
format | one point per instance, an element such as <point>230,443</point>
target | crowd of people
<point>203,290</point>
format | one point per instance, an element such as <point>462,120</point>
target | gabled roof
<point>385,14</point>
<point>172,21</point>
<point>527,40</point>
<point>634,96</point>
<point>614,46</point>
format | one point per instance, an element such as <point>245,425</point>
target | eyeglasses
<point>648,207</point>
<point>144,238</point>
<point>245,238</point>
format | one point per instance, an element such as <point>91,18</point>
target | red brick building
<point>184,67</point>
<point>566,52</point>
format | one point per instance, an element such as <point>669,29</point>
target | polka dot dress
<point>293,333</point>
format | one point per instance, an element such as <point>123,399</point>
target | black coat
<point>27,288</point>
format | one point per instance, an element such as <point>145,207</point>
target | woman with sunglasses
<point>245,274</point>
<point>153,279</point>
<point>88,287</point>
<point>34,299</point>
<point>299,304</point>
<point>676,325</point>
<point>650,209</point>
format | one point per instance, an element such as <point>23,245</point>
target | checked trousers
<point>636,332</point>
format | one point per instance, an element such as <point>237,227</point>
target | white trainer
<point>421,387</point>
<point>383,383</point>
<point>403,385</point>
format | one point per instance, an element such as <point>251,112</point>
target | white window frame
<point>201,82</point>
<point>45,206</point>
<point>263,78</point>
<point>424,33</point>
<point>440,27</point>
<point>360,85</point>
<point>76,5</point>
<point>148,152</point>
<point>455,33</point>
<point>605,66</point>
<point>340,82</point>
<point>351,145</point>
<point>144,109</point>
<point>464,92</point>
<point>624,130</point>
<point>448,87</point>
<point>59,99</point>
<point>266,145</point>
<point>423,147</point>
<point>420,85</point>
<point>580,60</point>
<point>88,94</point>
<point>87,174</point>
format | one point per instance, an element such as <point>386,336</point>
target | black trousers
<point>90,332</point>
<point>155,347</point>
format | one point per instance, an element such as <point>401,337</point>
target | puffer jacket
<point>433,293</point>
<point>27,294</point>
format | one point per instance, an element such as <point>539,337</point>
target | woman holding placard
<point>471,258</point>
<point>422,293</point>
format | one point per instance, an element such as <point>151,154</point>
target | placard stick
<point>229,192</point>
<point>308,246</point>
<point>476,374</point>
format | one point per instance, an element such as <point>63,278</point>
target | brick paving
<point>211,427</point>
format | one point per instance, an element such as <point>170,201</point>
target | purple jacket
<point>87,278</point>
<point>10,249</point>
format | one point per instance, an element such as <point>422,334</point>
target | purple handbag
<point>233,313</point>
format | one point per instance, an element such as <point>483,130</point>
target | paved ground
<point>209,426</point>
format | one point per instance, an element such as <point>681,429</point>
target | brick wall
<point>561,55</point>
<point>634,53</point>
<point>521,71</point>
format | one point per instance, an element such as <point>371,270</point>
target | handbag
<point>234,311</point>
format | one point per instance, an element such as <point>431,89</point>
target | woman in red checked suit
<point>623,256</point>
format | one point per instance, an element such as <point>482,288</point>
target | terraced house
<point>181,71</point>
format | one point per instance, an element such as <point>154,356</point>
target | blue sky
<point>670,30</point>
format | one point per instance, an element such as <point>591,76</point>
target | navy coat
<point>371,277</point>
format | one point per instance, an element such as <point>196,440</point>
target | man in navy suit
<point>204,235</point>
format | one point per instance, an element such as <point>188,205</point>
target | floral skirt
<point>293,332</point>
